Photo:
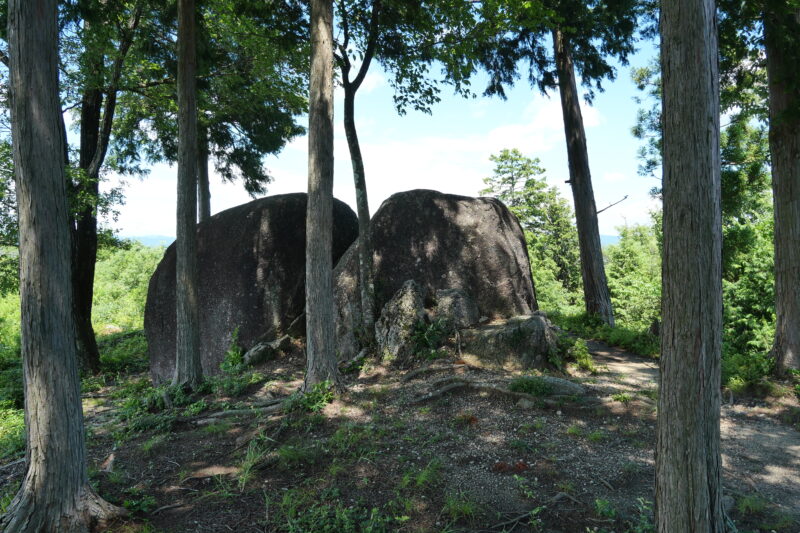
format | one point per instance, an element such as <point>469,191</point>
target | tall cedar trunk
<point>321,356</point>
<point>783,53</point>
<point>55,493</point>
<point>84,233</point>
<point>688,483</point>
<point>188,369</point>
<point>203,186</point>
<point>595,286</point>
<point>366,283</point>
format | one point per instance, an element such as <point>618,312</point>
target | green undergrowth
<point>306,509</point>
<point>7,494</point>
<point>533,385</point>
<point>428,338</point>
<point>640,341</point>
<point>123,352</point>
<point>12,431</point>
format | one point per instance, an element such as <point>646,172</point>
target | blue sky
<point>448,151</point>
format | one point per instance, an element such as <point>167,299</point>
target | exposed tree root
<point>414,374</point>
<point>27,514</point>
<point>256,408</point>
<point>449,384</point>
<point>210,418</point>
<point>513,522</point>
<point>12,463</point>
<point>360,357</point>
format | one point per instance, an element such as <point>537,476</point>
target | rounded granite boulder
<point>251,276</point>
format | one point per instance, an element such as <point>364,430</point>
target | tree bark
<point>595,286</point>
<point>321,356</point>
<point>783,53</point>
<point>188,369</point>
<point>203,186</point>
<point>84,233</point>
<point>365,277</point>
<point>366,282</point>
<point>55,495</point>
<point>688,486</point>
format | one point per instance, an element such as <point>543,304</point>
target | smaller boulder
<point>456,309</point>
<point>265,351</point>
<point>524,341</point>
<point>394,330</point>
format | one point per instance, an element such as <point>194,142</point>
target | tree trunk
<point>688,486</point>
<point>321,356</point>
<point>188,369</point>
<point>55,495</point>
<point>203,186</point>
<point>783,53</point>
<point>595,286</point>
<point>365,280</point>
<point>95,136</point>
<point>84,233</point>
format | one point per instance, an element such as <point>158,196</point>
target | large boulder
<point>441,241</point>
<point>251,275</point>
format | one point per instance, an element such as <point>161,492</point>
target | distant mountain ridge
<point>152,240</point>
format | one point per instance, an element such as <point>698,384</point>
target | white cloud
<point>372,81</point>
<point>547,111</point>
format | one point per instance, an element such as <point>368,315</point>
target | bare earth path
<point>760,453</point>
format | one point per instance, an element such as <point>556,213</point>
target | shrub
<point>532,385</point>
<point>123,352</point>
<point>428,338</point>
<point>580,354</point>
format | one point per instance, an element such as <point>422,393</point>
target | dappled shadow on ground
<point>467,460</point>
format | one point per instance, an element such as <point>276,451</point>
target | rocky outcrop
<point>440,241</point>
<point>455,309</point>
<point>394,330</point>
<point>251,262</point>
<point>519,342</point>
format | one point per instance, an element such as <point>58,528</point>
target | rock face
<point>441,241</point>
<point>394,330</point>
<point>455,309</point>
<point>519,342</point>
<point>251,262</point>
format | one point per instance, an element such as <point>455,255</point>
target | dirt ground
<point>390,456</point>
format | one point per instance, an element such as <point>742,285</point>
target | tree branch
<point>372,42</point>
<point>612,205</point>
<point>111,94</point>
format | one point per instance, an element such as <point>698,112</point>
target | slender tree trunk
<point>188,369</point>
<point>84,233</point>
<point>366,283</point>
<point>55,495</point>
<point>203,186</point>
<point>95,136</point>
<point>595,286</point>
<point>321,356</point>
<point>783,54</point>
<point>688,485</point>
